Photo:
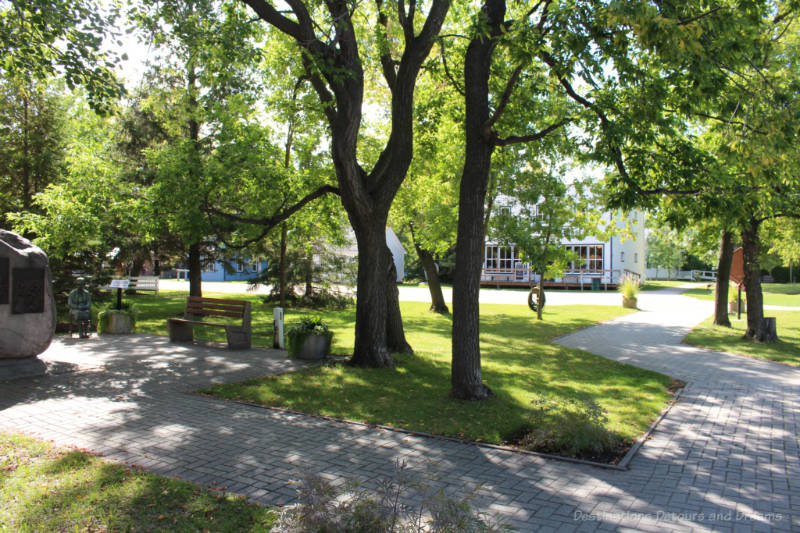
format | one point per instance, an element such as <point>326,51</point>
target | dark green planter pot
<point>310,347</point>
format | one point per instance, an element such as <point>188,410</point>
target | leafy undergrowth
<point>518,363</point>
<point>786,350</point>
<point>44,488</point>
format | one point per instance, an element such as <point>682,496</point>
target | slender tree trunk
<point>282,267</point>
<point>541,298</point>
<point>395,334</point>
<point>371,347</point>
<point>438,305</point>
<point>751,249</point>
<point>195,271</point>
<point>723,279</point>
<point>309,275</point>
<point>466,380</point>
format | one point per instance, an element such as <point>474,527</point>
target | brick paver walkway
<point>724,459</point>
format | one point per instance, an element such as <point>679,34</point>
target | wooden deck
<point>587,286</point>
<point>523,277</point>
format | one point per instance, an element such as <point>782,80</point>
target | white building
<point>392,241</point>
<point>599,263</point>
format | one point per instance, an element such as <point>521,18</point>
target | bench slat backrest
<point>144,282</point>
<point>218,307</point>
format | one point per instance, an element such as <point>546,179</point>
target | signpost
<point>119,284</point>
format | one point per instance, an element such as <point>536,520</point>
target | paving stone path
<point>724,459</point>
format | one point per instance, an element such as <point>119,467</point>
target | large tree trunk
<point>751,248</point>
<point>371,348</point>
<point>466,380</point>
<point>395,334</point>
<point>723,280</point>
<point>438,305</point>
<point>195,271</point>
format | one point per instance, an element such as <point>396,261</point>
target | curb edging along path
<point>725,457</point>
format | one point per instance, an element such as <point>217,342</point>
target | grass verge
<point>657,285</point>
<point>782,294</point>
<point>518,363</point>
<point>44,488</point>
<point>786,350</point>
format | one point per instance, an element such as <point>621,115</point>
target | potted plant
<point>310,339</point>
<point>629,287</point>
<point>117,321</point>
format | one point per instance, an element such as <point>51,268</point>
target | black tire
<point>534,299</point>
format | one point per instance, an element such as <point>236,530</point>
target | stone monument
<point>27,307</point>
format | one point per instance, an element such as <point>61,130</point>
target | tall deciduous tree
<point>627,67</point>
<point>741,140</point>
<point>201,90</point>
<point>427,203</point>
<point>332,51</point>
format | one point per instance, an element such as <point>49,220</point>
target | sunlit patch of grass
<point>786,350</point>
<point>44,488</point>
<point>782,294</point>
<point>518,361</point>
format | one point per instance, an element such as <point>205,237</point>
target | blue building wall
<point>218,272</point>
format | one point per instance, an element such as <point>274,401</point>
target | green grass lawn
<point>518,362</point>
<point>657,285</point>
<point>786,350</point>
<point>44,488</point>
<point>783,294</point>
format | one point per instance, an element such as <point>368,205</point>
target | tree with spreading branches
<point>332,52</point>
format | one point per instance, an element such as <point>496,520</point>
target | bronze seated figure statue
<point>80,309</point>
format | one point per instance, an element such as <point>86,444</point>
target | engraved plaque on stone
<point>27,291</point>
<point>5,282</point>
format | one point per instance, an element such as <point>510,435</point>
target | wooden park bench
<point>182,329</point>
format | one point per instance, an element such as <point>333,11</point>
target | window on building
<point>622,257</point>
<point>240,267</point>
<point>501,257</point>
<point>596,258</point>
<point>589,257</point>
<point>635,257</point>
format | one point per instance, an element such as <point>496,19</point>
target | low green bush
<point>567,426</point>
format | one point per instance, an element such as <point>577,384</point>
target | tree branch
<point>721,119</point>
<point>269,14</point>
<point>506,96</point>
<point>453,82</point>
<point>387,63</point>
<point>279,216</point>
<point>533,137</point>
<point>684,22</point>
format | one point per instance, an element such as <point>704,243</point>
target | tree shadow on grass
<point>72,490</point>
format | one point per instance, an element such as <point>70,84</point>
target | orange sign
<point>737,267</point>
